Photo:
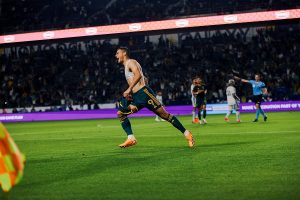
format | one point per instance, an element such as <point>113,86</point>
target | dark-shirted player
<point>200,91</point>
<point>142,96</point>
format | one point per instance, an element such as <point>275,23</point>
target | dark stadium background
<point>78,71</point>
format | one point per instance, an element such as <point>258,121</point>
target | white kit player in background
<point>233,101</point>
<point>159,98</point>
<point>195,119</point>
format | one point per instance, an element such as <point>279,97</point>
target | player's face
<point>120,54</point>
<point>257,77</point>
<point>199,81</point>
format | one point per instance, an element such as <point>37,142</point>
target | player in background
<point>139,95</point>
<point>200,92</point>
<point>195,119</point>
<point>159,98</point>
<point>233,101</point>
<point>259,88</point>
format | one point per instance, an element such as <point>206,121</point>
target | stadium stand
<point>34,15</point>
<point>86,72</point>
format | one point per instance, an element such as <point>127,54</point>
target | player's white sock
<point>237,115</point>
<point>131,137</point>
<point>194,114</point>
<point>186,133</point>
<point>228,113</point>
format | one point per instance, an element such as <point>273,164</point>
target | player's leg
<point>194,119</point>
<point>176,123</point>
<point>260,109</point>
<point>194,115</point>
<point>199,114</point>
<point>126,125</point>
<point>263,113</point>
<point>256,112</point>
<point>230,108</point>
<point>237,112</point>
<point>204,112</point>
<point>148,100</point>
<point>257,103</point>
<point>123,111</point>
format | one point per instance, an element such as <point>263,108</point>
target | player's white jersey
<point>230,90</point>
<point>159,98</point>
<point>193,97</point>
<point>192,88</point>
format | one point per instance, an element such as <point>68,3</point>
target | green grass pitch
<point>80,160</point>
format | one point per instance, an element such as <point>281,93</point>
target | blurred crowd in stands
<point>33,15</point>
<point>86,72</point>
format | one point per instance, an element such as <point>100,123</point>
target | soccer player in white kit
<point>195,119</point>
<point>159,98</point>
<point>232,100</point>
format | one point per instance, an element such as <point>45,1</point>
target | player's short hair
<point>231,82</point>
<point>125,49</point>
<point>258,74</point>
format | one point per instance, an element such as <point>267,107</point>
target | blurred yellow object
<point>11,161</point>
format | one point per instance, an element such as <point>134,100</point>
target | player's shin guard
<point>257,114</point>
<point>237,115</point>
<point>228,113</point>
<point>262,112</point>
<point>194,114</point>
<point>126,126</point>
<point>176,123</point>
<point>199,114</point>
<point>204,114</point>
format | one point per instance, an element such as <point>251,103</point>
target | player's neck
<point>125,61</point>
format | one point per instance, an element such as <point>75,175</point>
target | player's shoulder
<point>132,62</point>
<point>262,83</point>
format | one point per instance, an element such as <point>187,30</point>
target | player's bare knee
<point>133,108</point>
<point>120,115</point>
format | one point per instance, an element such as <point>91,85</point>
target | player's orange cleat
<point>226,119</point>
<point>190,139</point>
<point>238,120</point>
<point>195,121</point>
<point>128,143</point>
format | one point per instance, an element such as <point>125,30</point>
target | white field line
<point>140,135</point>
<point>162,124</point>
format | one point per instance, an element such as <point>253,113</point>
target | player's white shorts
<point>235,106</point>
<point>193,101</point>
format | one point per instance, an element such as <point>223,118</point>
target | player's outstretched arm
<point>240,79</point>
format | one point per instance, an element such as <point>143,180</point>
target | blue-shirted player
<point>259,88</point>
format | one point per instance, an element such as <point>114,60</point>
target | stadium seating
<point>87,73</point>
<point>25,16</point>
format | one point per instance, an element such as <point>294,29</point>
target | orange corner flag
<point>11,161</point>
